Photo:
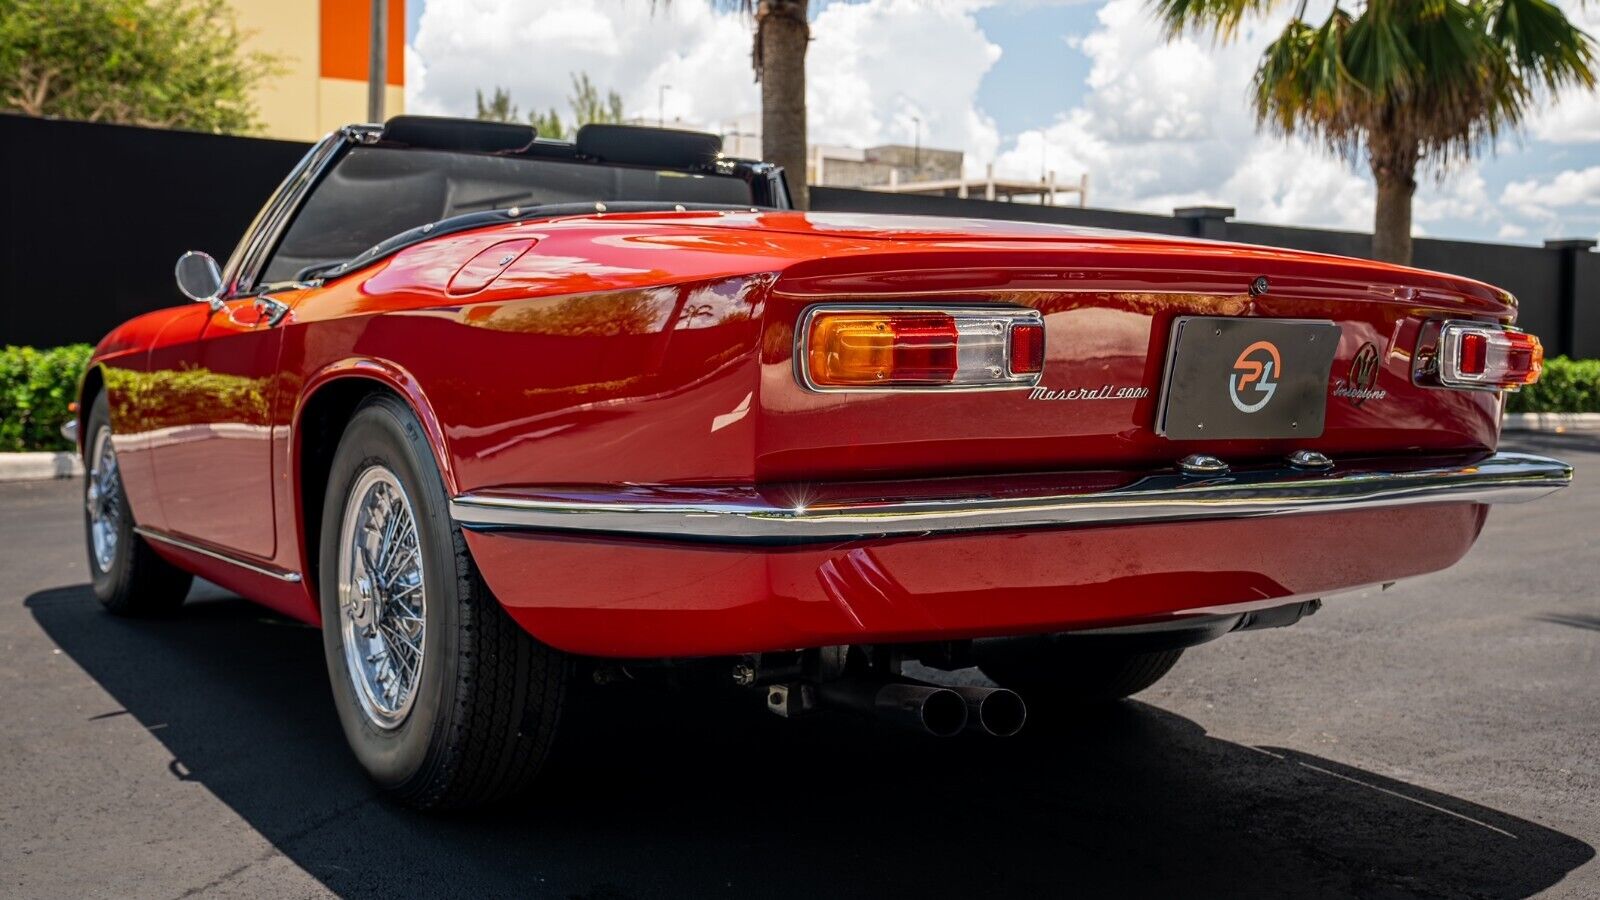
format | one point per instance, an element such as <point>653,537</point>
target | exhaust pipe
<point>995,711</point>
<point>926,708</point>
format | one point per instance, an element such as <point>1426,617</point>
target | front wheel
<point>129,578</point>
<point>445,701</point>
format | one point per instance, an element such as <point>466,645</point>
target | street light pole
<point>378,63</point>
<point>916,144</point>
<point>661,105</point>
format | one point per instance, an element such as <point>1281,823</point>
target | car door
<point>213,397</point>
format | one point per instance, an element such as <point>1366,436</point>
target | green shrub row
<point>37,385</point>
<point>35,388</point>
<point>1567,385</point>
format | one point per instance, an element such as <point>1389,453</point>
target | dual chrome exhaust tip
<point>928,708</point>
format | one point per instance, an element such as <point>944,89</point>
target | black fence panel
<point>95,216</point>
<point>1586,311</point>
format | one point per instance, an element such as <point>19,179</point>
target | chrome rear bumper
<point>743,514</point>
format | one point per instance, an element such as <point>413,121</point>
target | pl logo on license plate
<point>1246,378</point>
<point>1256,368</point>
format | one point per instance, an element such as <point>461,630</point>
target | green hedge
<point>1567,385</point>
<point>35,388</point>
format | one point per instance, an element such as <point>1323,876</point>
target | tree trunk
<point>782,36</point>
<point>1394,168</point>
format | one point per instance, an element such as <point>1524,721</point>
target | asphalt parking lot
<point>1440,739</point>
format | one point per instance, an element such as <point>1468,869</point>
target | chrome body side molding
<point>746,515</point>
<point>280,574</point>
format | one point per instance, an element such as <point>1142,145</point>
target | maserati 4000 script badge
<point>1103,392</point>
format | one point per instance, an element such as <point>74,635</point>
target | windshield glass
<point>376,192</point>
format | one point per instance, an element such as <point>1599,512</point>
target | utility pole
<point>661,105</point>
<point>378,67</point>
<point>916,144</point>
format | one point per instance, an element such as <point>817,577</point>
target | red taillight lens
<point>1472,354</point>
<point>865,348</point>
<point>1027,348</point>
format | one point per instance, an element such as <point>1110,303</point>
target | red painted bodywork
<point>658,349</point>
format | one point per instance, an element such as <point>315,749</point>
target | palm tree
<point>778,56</point>
<point>1412,82</point>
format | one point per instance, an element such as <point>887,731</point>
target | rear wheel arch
<point>324,408</point>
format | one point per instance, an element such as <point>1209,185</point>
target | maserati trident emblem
<point>1255,377</point>
<point>1357,385</point>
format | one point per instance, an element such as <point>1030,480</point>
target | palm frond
<point>1220,18</point>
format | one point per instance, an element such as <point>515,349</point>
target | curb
<point>39,466</point>
<point>1551,422</point>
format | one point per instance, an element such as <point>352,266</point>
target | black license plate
<point>1233,378</point>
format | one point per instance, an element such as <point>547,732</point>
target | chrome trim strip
<point>290,577</point>
<point>743,515</point>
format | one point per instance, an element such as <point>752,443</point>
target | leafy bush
<point>35,388</point>
<point>1567,385</point>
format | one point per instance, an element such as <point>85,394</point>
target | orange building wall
<point>346,27</point>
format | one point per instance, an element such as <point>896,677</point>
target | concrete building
<point>895,168</point>
<point>322,50</point>
<point>899,163</point>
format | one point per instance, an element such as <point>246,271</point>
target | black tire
<point>488,696</point>
<point>135,581</point>
<point>1073,671</point>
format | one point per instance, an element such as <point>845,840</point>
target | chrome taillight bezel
<point>977,320</point>
<point>1436,361</point>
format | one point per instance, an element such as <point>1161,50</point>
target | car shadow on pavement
<point>680,795</point>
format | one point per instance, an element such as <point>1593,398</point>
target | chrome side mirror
<point>199,278</point>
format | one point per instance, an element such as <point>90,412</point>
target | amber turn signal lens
<point>856,349</point>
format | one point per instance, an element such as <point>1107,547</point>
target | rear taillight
<point>868,348</point>
<point>1478,355</point>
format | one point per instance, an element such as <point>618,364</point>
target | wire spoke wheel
<point>382,600</point>
<point>103,501</point>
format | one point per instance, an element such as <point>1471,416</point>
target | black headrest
<point>633,145</point>
<point>438,133</point>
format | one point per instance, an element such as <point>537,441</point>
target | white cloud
<point>863,89</point>
<point>877,67</point>
<point>1167,124</point>
<point>1536,198</point>
<point>531,49</point>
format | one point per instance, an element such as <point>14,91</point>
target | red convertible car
<point>501,413</point>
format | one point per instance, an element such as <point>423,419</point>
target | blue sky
<point>1072,86</point>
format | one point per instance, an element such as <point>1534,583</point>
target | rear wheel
<point>128,576</point>
<point>445,701</point>
<point>1074,670</point>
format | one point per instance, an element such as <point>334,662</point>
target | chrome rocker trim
<point>281,575</point>
<point>743,515</point>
